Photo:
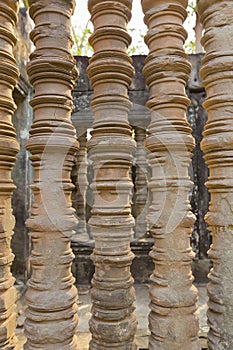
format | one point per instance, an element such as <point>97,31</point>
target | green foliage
<point>83,48</point>
<point>192,7</point>
<point>139,48</point>
<point>81,44</point>
<point>190,47</point>
<point>25,3</point>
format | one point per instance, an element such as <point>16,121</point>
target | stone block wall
<point>139,116</point>
<point>22,172</point>
<point>82,119</point>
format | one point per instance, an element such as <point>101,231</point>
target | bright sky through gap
<point>137,28</point>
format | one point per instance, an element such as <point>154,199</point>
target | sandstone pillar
<point>217,75</point>
<point>172,319</point>
<point>141,188</point>
<point>81,188</point>
<point>8,151</point>
<point>113,323</point>
<point>51,316</point>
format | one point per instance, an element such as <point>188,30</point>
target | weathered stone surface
<point>51,316</point>
<point>80,200</point>
<point>141,312</point>
<point>113,324</point>
<point>83,83</point>
<point>199,199</point>
<point>139,117</point>
<point>217,75</point>
<point>23,48</point>
<point>172,320</point>
<point>8,150</point>
<point>22,171</point>
<point>141,184</point>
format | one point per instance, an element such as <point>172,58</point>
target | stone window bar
<point>115,172</point>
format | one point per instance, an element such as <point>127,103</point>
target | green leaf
<point>26,4</point>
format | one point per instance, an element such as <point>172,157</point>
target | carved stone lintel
<point>51,316</point>
<point>141,186</point>
<point>217,144</point>
<point>8,150</point>
<point>113,324</point>
<point>172,320</point>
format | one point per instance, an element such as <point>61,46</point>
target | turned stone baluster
<point>141,188</point>
<point>51,316</point>
<point>217,75</point>
<point>113,324</point>
<point>8,150</point>
<point>172,321</point>
<point>81,188</point>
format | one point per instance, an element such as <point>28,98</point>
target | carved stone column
<point>81,188</point>
<point>217,75</point>
<point>172,320</point>
<point>8,150</point>
<point>141,188</point>
<point>51,317</point>
<point>113,324</point>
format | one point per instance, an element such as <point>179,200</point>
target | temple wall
<point>82,119</point>
<point>139,116</point>
<point>22,172</point>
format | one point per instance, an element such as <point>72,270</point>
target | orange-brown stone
<point>217,75</point>
<point>8,150</point>
<point>113,324</point>
<point>51,316</point>
<point>172,320</point>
